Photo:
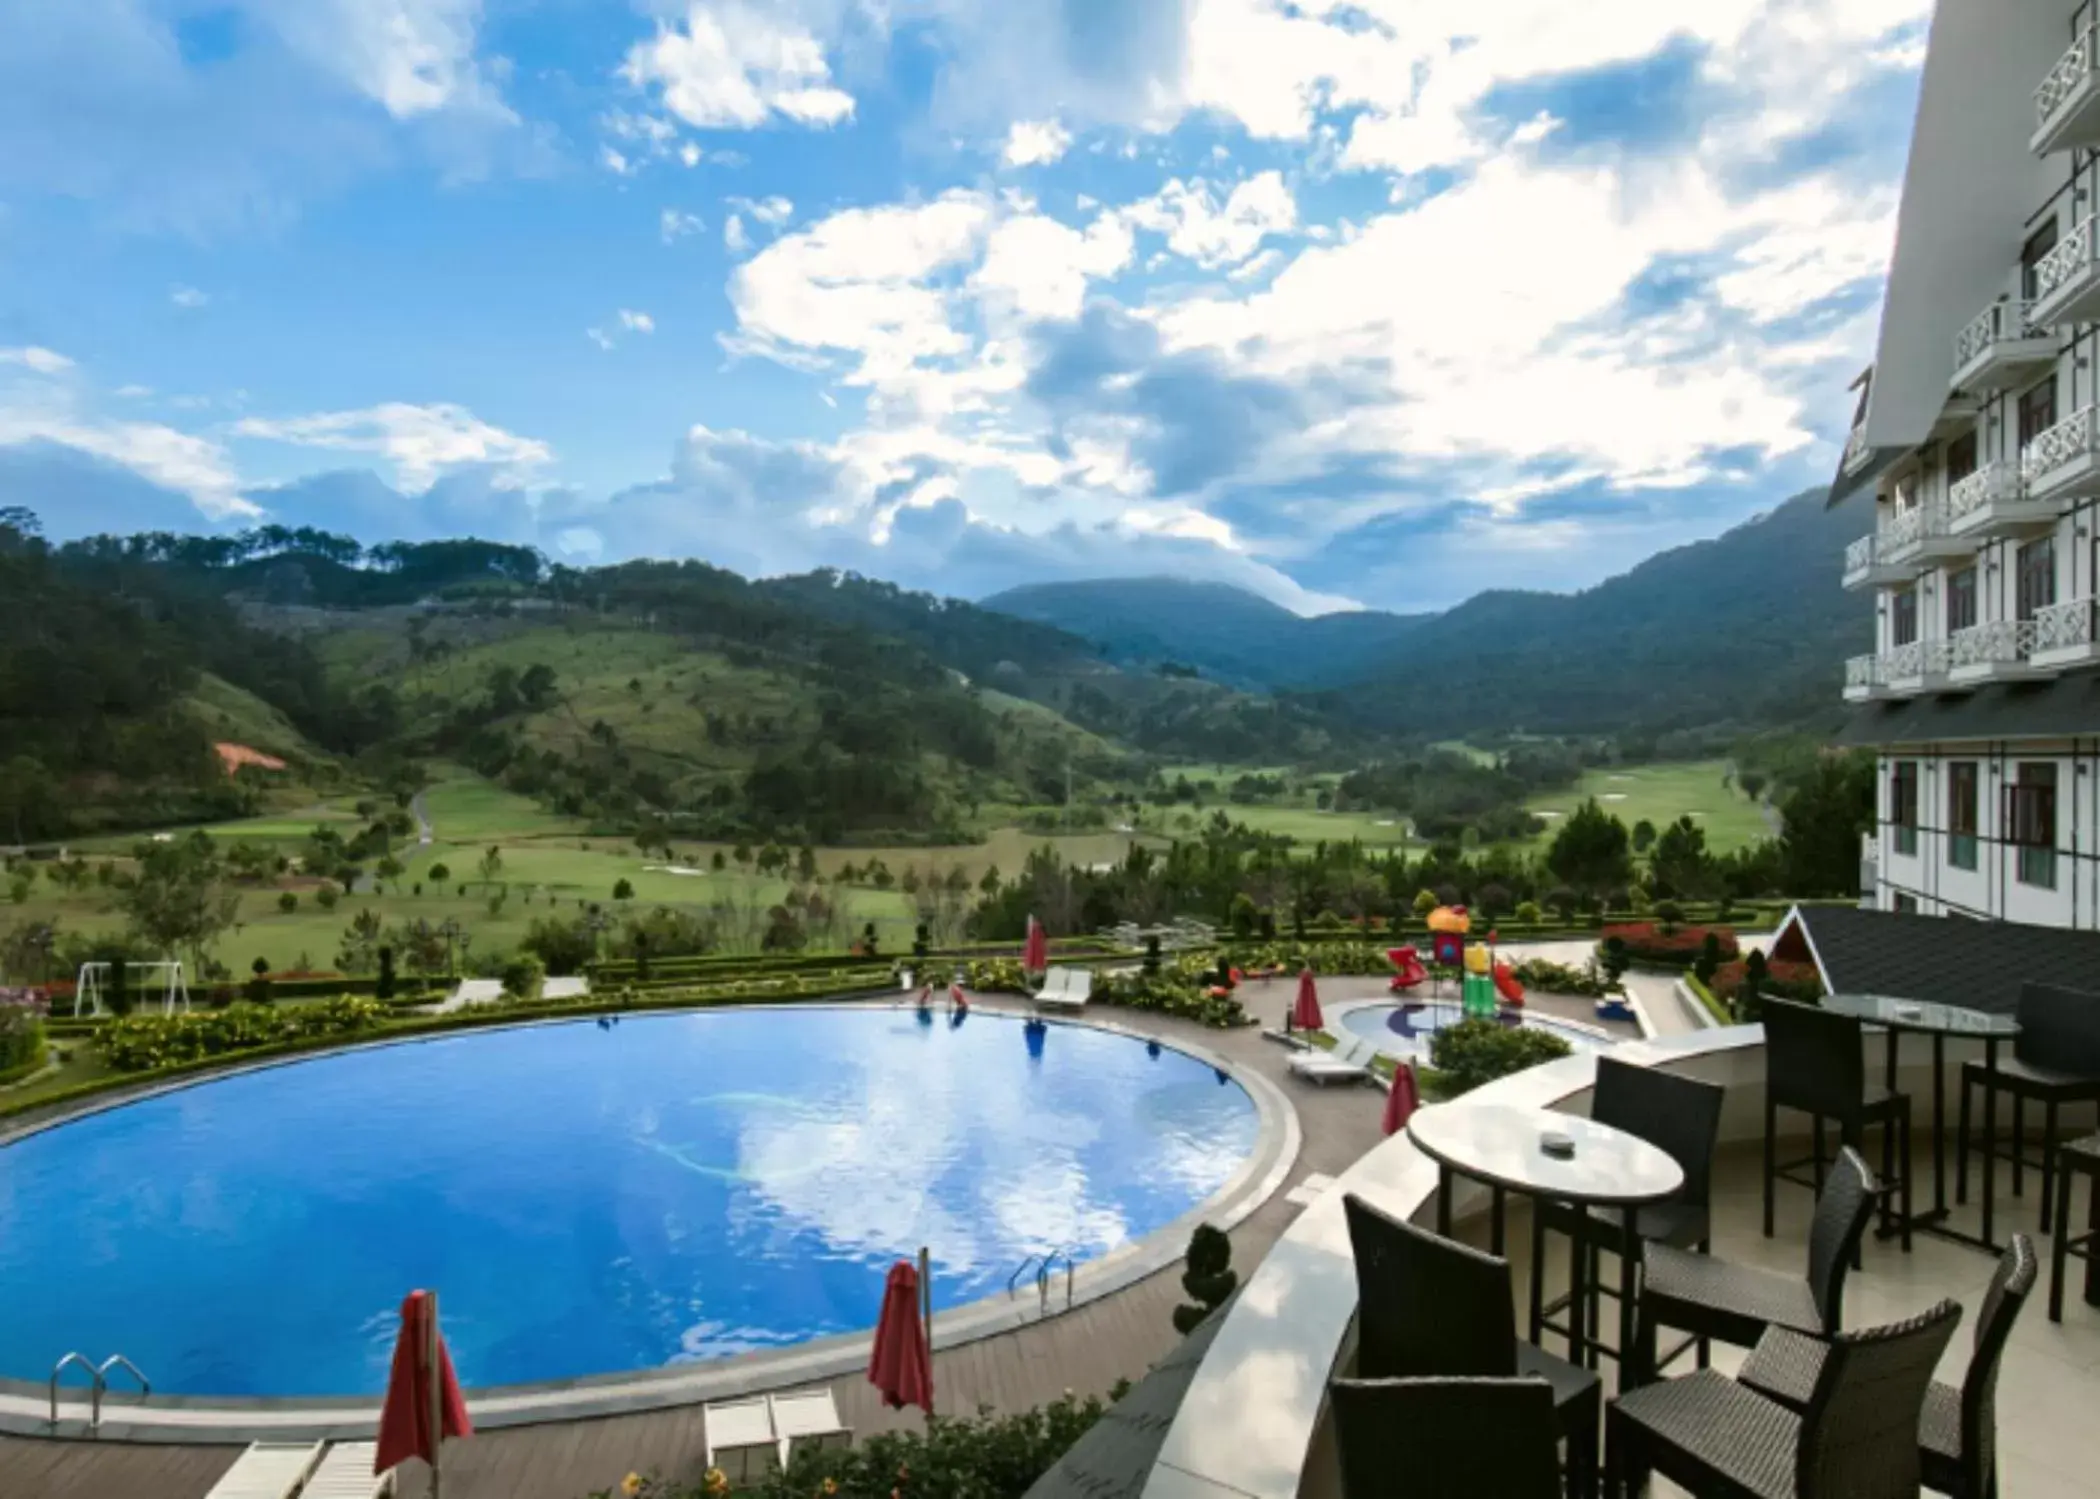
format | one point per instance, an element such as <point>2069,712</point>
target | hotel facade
<point>1977,436</point>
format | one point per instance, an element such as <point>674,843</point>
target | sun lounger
<point>1293,1039</point>
<point>268,1470</point>
<point>1348,1063</point>
<point>346,1473</point>
<point>740,1439</point>
<point>808,1422</point>
<point>1066,988</point>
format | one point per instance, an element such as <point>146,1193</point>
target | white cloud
<point>420,442</point>
<point>133,392</point>
<point>1040,268</point>
<point>188,297</point>
<point>413,56</point>
<point>617,161</point>
<point>690,154</point>
<point>674,224</point>
<point>1211,234</point>
<point>735,238</point>
<point>637,322</point>
<point>773,212</point>
<point>733,66</point>
<point>1035,143</point>
<point>43,361</point>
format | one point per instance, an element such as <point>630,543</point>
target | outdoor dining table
<point>1505,1147</point>
<point>1939,1021</point>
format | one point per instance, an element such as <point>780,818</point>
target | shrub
<point>1563,901</point>
<point>1733,984</point>
<point>1210,1279</point>
<point>1425,902</point>
<point>21,1040</point>
<point>138,1043</point>
<point>383,988</point>
<point>1673,949</point>
<point>1528,912</point>
<point>1612,957</point>
<point>1562,978</point>
<point>326,897</point>
<point>1669,913</point>
<point>1473,1052</point>
<point>1709,961</point>
<point>524,976</point>
<point>623,889</point>
<point>287,902</point>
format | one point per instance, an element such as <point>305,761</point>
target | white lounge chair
<point>1067,988</point>
<point>346,1473</point>
<point>808,1422</point>
<point>740,1439</point>
<point>268,1470</point>
<point>1349,1062</point>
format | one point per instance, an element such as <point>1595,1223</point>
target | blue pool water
<point>590,1200</point>
<point>1405,1030</point>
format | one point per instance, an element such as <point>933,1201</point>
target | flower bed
<point>1185,985</point>
<point>1648,945</point>
<point>21,1041</point>
<point>1783,980</point>
<point>1563,978</point>
<point>140,1043</point>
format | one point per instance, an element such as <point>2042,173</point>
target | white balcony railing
<point>2076,436</point>
<point>2071,258</point>
<point>1900,530</point>
<point>1862,673</point>
<point>1859,556</point>
<point>1999,323</point>
<point>2059,627</point>
<point>1856,450</point>
<point>1917,661</point>
<point>1997,482</point>
<point>2072,69</point>
<point>1997,642</point>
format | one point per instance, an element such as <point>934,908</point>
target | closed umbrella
<point>423,1402</point>
<point>901,1366</point>
<point>1035,957</point>
<point>1402,1099</point>
<point>1305,1014</point>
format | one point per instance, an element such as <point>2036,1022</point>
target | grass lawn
<point>1662,794</point>
<point>1306,824</point>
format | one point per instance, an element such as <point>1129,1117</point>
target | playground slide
<point>1506,984</point>
<point>1408,969</point>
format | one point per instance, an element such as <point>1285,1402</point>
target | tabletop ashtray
<point>1557,1145</point>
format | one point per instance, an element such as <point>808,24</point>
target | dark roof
<point>1942,959</point>
<point>1845,485</point>
<point>1115,1458</point>
<point>2057,708</point>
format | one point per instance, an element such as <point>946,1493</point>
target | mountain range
<point>1749,628</point>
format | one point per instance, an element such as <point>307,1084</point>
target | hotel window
<point>1961,457</point>
<point>1905,493</point>
<point>1961,600</point>
<point>1903,805</point>
<point>2039,244</point>
<point>2037,411</point>
<point>2034,577</point>
<point>1903,617</point>
<point>2030,820</point>
<point>1961,813</point>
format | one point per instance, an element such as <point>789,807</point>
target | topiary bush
<point>1473,1052</point>
<point>1209,1279</point>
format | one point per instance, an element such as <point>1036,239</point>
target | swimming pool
<point>1404,1030</point>
<point>587,1199</point>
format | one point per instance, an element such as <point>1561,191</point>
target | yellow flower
<point>717,1482</point>
<point>631,1485</point>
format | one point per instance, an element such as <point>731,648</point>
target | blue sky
<point>1372,303</point>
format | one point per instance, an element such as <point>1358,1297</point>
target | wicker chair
<point>2055,1061</point>
<point>1857,1437</point>
<point>1446,1438</point>
<point>1680,1115</point>
<point>2079,1158</point>
<point>1711,1298</point>
<point>1816,1062</point>
<point>1958,1433</point>
<point>1429,1308</point>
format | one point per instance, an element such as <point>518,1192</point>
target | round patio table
<point>1502,1145</point>
<point>1939,1021</point>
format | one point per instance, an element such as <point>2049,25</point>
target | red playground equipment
<point>1507,986</point>
<point>1408,968</point>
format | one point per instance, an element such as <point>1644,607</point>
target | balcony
<point>1994,501</point>
<point>1863,679</point>
<point>2067,634</point>
<point>1921,666</point>
<point>2001,348</point>
<point>2062,464</point>
<point>2067,105</point>
<point>2067,280</point>
<point>1917,536</point>
<point>2000,650</point>
<point>1866,568</point>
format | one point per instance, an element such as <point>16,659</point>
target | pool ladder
<point>1044,1265</point>
<point>99,1373</point>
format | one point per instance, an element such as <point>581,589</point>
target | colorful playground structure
<point>1482,980</point>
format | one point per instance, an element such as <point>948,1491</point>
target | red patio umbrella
<point>423,1402</point>
<point>1305,1013</point>
<point>901,1366</point>
<point>1402,1099</point>
<point>1035,958</point>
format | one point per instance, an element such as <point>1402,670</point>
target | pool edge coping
<point>221,1420</point>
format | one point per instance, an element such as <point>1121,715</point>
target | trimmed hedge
<point>144,1043</point>
<point>1649,946</point>
<point>1478,1051</point>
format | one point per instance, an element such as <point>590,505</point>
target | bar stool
<point>1816,1062</point>
<point>2055,1061</point>
<point>2078,1158</point>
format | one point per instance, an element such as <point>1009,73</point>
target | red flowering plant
<point>1783,980</point>
<point>1646,942</point>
